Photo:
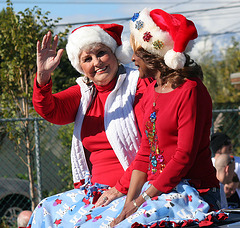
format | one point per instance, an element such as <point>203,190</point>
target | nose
<point>133,57</point>
<point>97,61</point>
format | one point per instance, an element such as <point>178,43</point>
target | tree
<point>18,37</point>
<point>217,70</point>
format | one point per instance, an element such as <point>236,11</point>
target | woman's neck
<point>162,88</point>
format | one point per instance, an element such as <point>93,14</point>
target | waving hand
<point>47,58</point>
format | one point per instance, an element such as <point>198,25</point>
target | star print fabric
<point>182,205</point>
<point>67,208</point>
<point>75,208</point>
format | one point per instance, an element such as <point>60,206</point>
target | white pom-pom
<point>124,52</point>
<point>175,60</point>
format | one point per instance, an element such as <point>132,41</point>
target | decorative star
<point>135,17</point>
<point>58,221</point>
<point>158,44</point>
<point>58,201</point>
<point>190,198</point>
<point>147,36</point>
<point>139,25</point>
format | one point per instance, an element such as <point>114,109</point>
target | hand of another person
<point>129,209</point>
<point>108,196</point>
<point>47,59</point>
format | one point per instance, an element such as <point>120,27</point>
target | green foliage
<point>18,37</point>
<point>65,136</point>
<point>64,75</point>
<point>217,70</point>
<point>19,33</point>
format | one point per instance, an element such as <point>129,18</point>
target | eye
<point>87,59</point>
<point>101,53</point>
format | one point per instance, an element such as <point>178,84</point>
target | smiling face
<point>99,64</point>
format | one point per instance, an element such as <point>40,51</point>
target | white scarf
<point>119,121</point>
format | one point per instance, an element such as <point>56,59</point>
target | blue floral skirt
<point>75,208</point>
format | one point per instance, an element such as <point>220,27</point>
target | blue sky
<point>211,17</point>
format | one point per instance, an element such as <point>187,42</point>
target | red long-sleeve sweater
<point>183,122</point>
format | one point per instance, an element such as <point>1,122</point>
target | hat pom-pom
<point>175,60</point>
<point>124,52</point>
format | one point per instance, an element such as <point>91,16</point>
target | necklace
<point>162,89</point>
<point>155,100</point>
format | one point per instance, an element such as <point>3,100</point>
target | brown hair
<point>235,178</point>
<point>175,77</point>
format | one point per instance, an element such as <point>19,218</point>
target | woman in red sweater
<point>105,107</point>
<point>177,117</point>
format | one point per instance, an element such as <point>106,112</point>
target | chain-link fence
<point>37,149</point>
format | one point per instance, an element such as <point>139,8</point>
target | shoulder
<point>195,84</point>
<point>190,83</point>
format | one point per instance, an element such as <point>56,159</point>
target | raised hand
<point>47,58</point>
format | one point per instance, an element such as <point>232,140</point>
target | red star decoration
<point>98,217</point>
<point>58,201</point>
<point>86,201</point>
<point>190,198</point>
<point>58,221</point>
<point>88,217</point>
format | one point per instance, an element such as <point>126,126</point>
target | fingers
<point>102,201</point>
<point>117,220</point>
<point>46,42</point>
<point>38,46</point>
<point>59,55</point>
<point>55,42</point>
<point>49,39</point>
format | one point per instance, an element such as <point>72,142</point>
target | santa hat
<point>108,34</point>
<point>163,34</point>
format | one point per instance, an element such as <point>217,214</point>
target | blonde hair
<point>134,44</point>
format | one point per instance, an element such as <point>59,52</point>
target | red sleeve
<point>123,184</point>
<point>60,108</point>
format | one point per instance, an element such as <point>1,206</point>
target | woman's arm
<point>137,181</point>
<point>60,108</point>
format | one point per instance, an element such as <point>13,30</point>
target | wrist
<point>43,78</point>
<point>145,196</point>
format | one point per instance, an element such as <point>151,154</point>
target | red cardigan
<point>183,129</point>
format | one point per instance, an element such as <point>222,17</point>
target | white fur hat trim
<point>175,60</point>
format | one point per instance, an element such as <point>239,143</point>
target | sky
<point>216,20</point>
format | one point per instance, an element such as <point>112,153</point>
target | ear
<point>226,169</point>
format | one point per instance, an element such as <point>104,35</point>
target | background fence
<point>48,146</point>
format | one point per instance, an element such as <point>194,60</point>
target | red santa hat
<point>163,34</point>
<point>108,34</point>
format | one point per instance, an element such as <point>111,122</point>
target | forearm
<point>137,181</point>
<point>151,192</point>
<point>60,108</point>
